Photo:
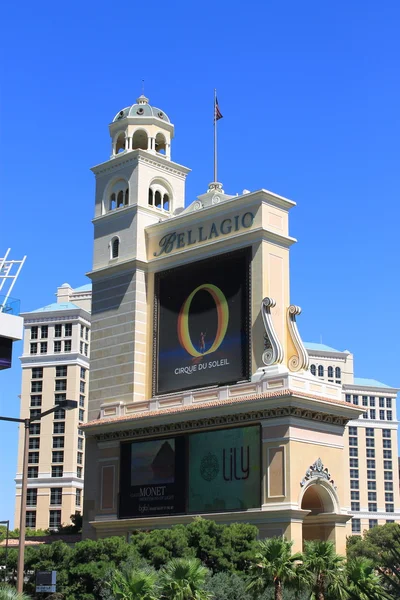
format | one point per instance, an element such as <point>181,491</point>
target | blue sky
<point>310,96</point>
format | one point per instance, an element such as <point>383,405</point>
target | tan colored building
<point>371,440</point>
<point>201,400</point>
<point>55,367</point>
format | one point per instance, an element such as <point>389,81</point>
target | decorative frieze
<point>317,471</point>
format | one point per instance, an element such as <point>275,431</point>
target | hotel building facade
<point>201,398</point>
<point>55,367</point>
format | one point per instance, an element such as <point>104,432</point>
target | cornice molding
<point>218,421</point>
<point>299,361</point>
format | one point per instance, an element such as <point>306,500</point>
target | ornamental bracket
<point>300,360</point>
<point>273,351</point>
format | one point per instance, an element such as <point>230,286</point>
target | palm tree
<point>134,585</point>
<point>326,568</point>
<point>274,565</point>
<point>363,583</point>
<point>10,593</point>
<point>184,579</point>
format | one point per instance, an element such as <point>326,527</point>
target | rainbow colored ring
<point>223,318</point>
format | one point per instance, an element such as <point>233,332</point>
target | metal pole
<point>6,557</point>
<point>215,136</point>
<point>22,522</point>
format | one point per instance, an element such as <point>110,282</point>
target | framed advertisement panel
<point>202,324</point>
<point>210,471</point>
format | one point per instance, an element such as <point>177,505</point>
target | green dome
<point>141,109</point>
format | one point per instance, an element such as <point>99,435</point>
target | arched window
<point>126,197</point>
<point>115,247</point>
<point>120,199</point>
<point>160,143</point>
<point>338,373</point>
<point>120,143</point>
<point>150,197</point>
<point>313,370</point>
<point>330,372</point>
<point>140,140</point>
<point>165,202</point>
<point>157,199</point>
<point>113,202</point>
<point>320,371</point>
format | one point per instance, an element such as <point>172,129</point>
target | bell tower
<point>139,185</point>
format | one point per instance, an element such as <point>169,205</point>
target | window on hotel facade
<point>353,451</point>
<point>33,472</point>
<point>37,373</point>
<point>371,474</point>
<point>61,371</point>
<point>389,415</point>
<point>388,403</point>
<point>313,370</point>
<point>87,334</point>
<point>67,346</point>
<point>59,414</point>
<point>373,523</point>
<point>388,497</point>
<point>79,458</point>
<point>30,519</point>
<point>365,415</point>
<point>370,464</point>
<point>370,442</point>
<point>370,452</point>
<point>81,401</point>
<point>55,519</point>
<point>387,454</point>
<point>34,443</point>
<point>320,371</point>
<point>31,497</point>
<point>44,331</point>
<point>338,374</point>
<point>36,386</point>
<point>86,350</point>
<point>82,387</point>
<point>354,473</point>
<point>34,413</point>
<point>68,329</point>
<point>57,346</point>
<point>56,496</point>
<point>371,496</point>
<point>57,456</point>
<point>354,463</point>
<point>389,508</point>
<point>372,414</point>
<point>81,347</point>
<point>371,485</point>
<point>43,347</point>
<point>353,441</point>
<point>79,472</point>
<point>388,476</point>
<point>36,400</point>
<point>372,507</point>
<point>388,486</point>
<point>381,402</point>
<point>355,507</point>
<point>34,429</point>
<point>330,373</point>
<point>33,348</point>
<point>372,400</point>
<point>348,397</point>
<point>355,495</point>
<point>78,498</point>
<point>355,526</point>
<point>57,471</point>
<point>382,415</point>
<point>58,330</point>
<point>81,415</point>
<point>354,484</point>
<point>80,443</point>
<point>34,332</point>
<point>355,400</point>
<point>59,398</point>
<point>365,400</point>
<point>83,373</point>
<point>386,433</point>
<point>370,432</point>
<point>387,464</point>
<point>58,427</point>
<point>387,443</point>
<point>58,442</point>
<point>33,458</point>
<point>353,430</point>
<point>61,385</point>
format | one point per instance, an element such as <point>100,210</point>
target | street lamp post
<point>7,524</point>
<point>67,405</point>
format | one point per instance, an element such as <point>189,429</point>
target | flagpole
<point>215,135</point>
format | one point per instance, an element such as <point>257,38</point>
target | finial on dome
<point>142,100</point>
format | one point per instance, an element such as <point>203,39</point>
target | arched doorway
<point>322,506</point>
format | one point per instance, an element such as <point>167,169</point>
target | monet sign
<point>194,473</point>
<point>191,237</point>
<point>202,323</point>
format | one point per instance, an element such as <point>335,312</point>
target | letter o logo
<point>223,318</point>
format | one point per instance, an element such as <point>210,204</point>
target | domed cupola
<point>142,127</point>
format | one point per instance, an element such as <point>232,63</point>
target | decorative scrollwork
<point>317,471</point>
<point>298,361</point>
<point>273,352</point>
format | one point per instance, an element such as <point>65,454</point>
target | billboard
<point>152,477</point>
<point>194,473</point>
<point>225,471</point>
<point>202,325</point>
